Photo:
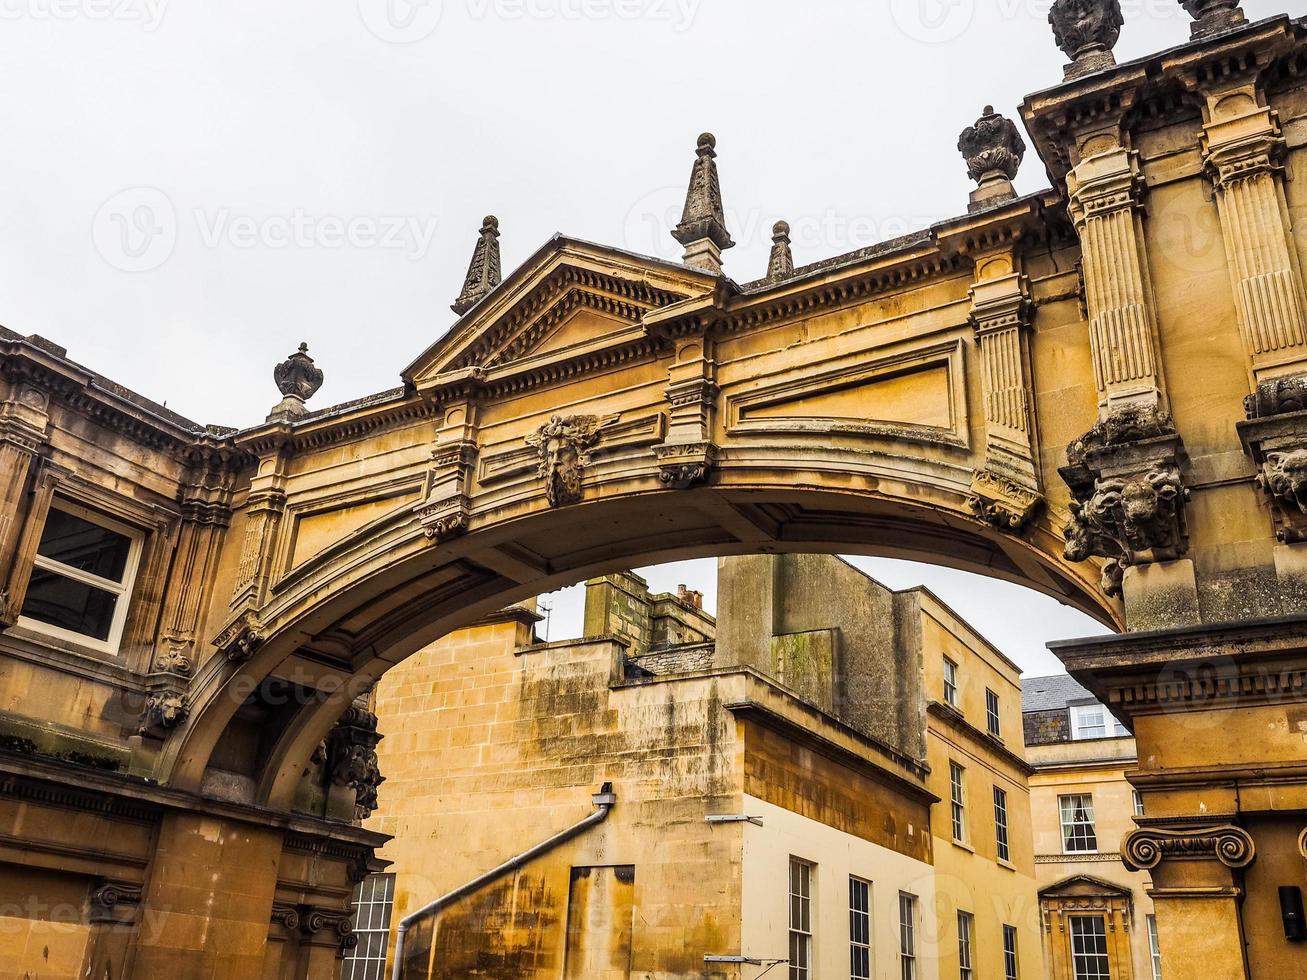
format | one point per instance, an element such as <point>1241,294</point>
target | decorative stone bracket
<point>1146,848</point>
<point>115,901</point>
<point>317,924</point>
<point>165,709</point>
<point>241,638</point>
<point>1275,436</point>
<point>447,509</point>
<point>1128,494</point>
<point>352,758</point>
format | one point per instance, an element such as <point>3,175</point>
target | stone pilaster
<point>686,458</point>
<point>264,510</point>
<point>1007,492</point>
<point>23,423</point>
<point>1197,876</point>
<point>446,509</point>
<point>206,514</point>
<point>1243,150</point>
<point>1105,191</point>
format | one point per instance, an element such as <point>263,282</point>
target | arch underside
<point>333,630</point>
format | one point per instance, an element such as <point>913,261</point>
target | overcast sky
<point>192,188</point>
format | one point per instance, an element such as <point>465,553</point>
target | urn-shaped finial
<point>703,223</point>
<point>1213,16</point>
<point>781,264</point>
<point>1086,31</point>
<point>298,380</point>
<point>483,273</point>
<point>993,149</point>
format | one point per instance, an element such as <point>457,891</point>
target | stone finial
<point>1087,31</point>
<point>781,264</point>
<point>703,224</point>
<point>298,380</point>
<point>993,149</point>
<point>484,274</point>
<point>1213,16</point>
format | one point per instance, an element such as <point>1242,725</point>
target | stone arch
<point>387,592</point>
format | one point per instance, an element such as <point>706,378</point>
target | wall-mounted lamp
<point>1291,911</point>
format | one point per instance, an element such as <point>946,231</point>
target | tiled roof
<point>1051,693</point>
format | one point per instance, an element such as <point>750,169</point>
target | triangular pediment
<point>570,298</point>
<point>1084,886</point>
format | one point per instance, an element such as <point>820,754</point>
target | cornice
<point>134,797</point>
<point>955,718</point>
<point>46,366</point>
<point>1052,116</point>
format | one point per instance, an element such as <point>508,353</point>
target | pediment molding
<point>510,325</point>
<point>1083,886</point>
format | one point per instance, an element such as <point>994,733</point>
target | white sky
<point>192,188</point>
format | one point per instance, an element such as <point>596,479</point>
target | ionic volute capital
<point>1146,848</point>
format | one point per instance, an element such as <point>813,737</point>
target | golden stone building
<point>1098,390</point>
<point>799,785</point>
<point>1098,916</point>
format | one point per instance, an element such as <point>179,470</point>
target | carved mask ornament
<point>563,445</point>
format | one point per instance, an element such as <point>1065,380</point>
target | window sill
<point>1005,864</point>
<point>963,845</point>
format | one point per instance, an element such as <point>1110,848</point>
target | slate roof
<point>1051,693</point>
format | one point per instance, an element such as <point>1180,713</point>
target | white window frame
<point>1154,948</point>
<point>950,683</point>
<point>993,721</point>
<point>1110,726</point>
<point>1002,841</point>
<point>1088,808</point>
<point>122,590</point>
<point>863,916</point>
<point>1105,955</point>
<point>907,936</point>
<point>1138,801</point>
<point>1011,964</point>
<point>966,936</point>
<point>801,930</point>
<point>957,796</point>
<point>356,963</point>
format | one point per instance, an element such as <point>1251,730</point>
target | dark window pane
<point>69,605</point>
<point>85,546</point>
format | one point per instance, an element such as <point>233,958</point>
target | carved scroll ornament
<point>1144,849</point>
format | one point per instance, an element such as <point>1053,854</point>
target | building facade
<point>1065,389</point>
<point>1098,918</point>
<point>757,818</point>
